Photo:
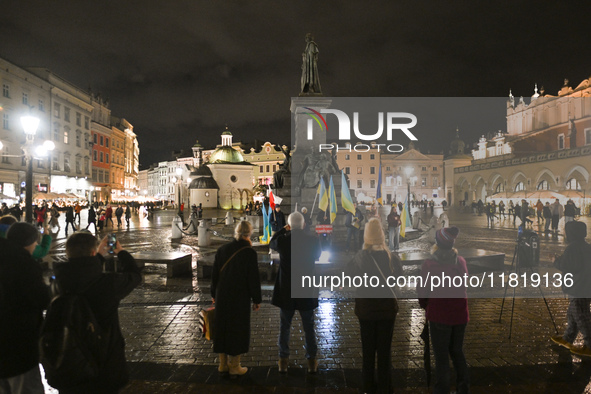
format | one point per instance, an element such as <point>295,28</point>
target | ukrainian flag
<point>266,237</point>
<point>323,203</point>
<point>404,218</point>
<point>333,201</point>
<point>379,189</point>
<point>346,200</point>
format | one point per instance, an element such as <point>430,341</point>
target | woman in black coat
<point>235,282</point>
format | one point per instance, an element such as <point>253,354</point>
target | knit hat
<point>446,237</point>
<point>373,235</point>
<point>22,234</point>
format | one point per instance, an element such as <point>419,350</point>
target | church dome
<point>457,145</point>
<point>202,171</point>
<point>226,155</point>
<point>203,182</point>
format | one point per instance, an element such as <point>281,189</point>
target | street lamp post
<point>408,171</point>
<point>30,124</point>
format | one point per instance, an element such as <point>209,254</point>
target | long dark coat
<point>308,252</point>
<point>103,291</point>
<point>233,290</point>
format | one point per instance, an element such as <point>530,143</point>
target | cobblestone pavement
<point>167,355</point>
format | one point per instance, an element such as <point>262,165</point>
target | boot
<point>234,366</point>
<point>283,362</point>
<point>223,367</point>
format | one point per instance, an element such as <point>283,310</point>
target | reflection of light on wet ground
<point>326,310</point>
<point>324,257</point>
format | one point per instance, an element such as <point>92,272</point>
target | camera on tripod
<point>527,248</point>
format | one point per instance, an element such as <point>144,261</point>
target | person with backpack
<point>82,275</point>
<point>23,298</point>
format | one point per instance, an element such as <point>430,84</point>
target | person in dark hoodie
<point>376,308</point>
<point>23,297</point>
<point>575,263</point>
<point>446,310</point>
<point>301,264</point>
<point>83,274</point>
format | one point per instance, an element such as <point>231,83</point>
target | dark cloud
<point>181,70</point>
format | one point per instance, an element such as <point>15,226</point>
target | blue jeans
<point>285,328</point>
<point>448,341</point>
<point>394,237</point>
<point>352,234</point>
<point>28,382</point>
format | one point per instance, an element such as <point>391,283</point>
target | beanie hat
<point>446,237</point>
<point>373,235</point>
<point>22,234</point>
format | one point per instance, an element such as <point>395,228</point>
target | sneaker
<point>583,351</point>
<point>312,365</point>
<point>283,362</point>
<point>559,340</point>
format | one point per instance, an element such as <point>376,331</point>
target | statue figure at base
<point>315,166</point>
<point>284,168</point>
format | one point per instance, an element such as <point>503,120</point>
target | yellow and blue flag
<point>379,189</point>
<point>266,237</point>
<point>404,218</point>
<point>323,203</point>
<point>346,200</point>
<point>333,201</point>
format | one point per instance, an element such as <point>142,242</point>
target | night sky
<point>182,70</point>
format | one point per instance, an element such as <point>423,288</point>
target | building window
<point>107,177</point>
<point>435,182</point>
<point>372,183</point>
<point>25,98</point>
<point>107,142</point>
<point>57,109</point>
<point>347,157</point>
<point>86,122</point>
<point>423,182</point>
<point>434,168</point>
<point>424,168</point>
<point>5,90</point>
<point>268,168</point>
<point>77,138</point>
<point>398,181</point>
<point>388,168</point>
<point>101,157</point>
<point>500,188</point>
<point>78,168</point>
<point>78,119</point>
<point>561,141</point>
<point>94,137</point>
<point>347,170</point>
<point>358,157</point>
<point>5,159</point>
<point>66,164</point>
<point>261,169</point>
<point>372,156</point>
<point>359,170</point>
<point>359,184</point>
<point>587,136</point>
<point>56,164</point>
<point>41,105</point>
<point>6,121</point>
<point>65,137</point>
<point>102,140</point>
<point>519,187</point>
<point>543,185</point>
<point>66,114</point>
<point>372,170</point>
<point>573,184</point>
<point>106,158</point>
<point>56,132</point>
<point>86,166</point>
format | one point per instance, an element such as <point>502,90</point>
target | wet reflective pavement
<point>167,355</point>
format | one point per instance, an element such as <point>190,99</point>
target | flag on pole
<point>333,201</point>
<point>379,189</point>
<point>404,218</point>
<point>266,237</point>
<point>346,200</point>
<point>271,200</point>
<point>323,203</point>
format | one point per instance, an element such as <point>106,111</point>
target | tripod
<point>518,268</point>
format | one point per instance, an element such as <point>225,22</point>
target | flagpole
<point>313,204</point>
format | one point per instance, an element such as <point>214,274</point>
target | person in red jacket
<point>446,310</point>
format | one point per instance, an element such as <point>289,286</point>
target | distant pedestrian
<point>501,209</point>
<point>23,298</point>
<point>119,215</point>
<point>393,220</point>
<point>277,219</point>
<point>446,311</point>
<point>77,210</point>
<point>234,283</point>
<point>575,261</point>
<point>353,223</point>
<point>92,218</point>
<point>557,213</point>
<point>540,210</point>
<point>109,216</point>
<point>547,212</point>
<point>570,210</point>
<point>516,212</point>
<point>127,215</point>
<point>70,220</point>
<point>301,263</point>
<point>376,308</point>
